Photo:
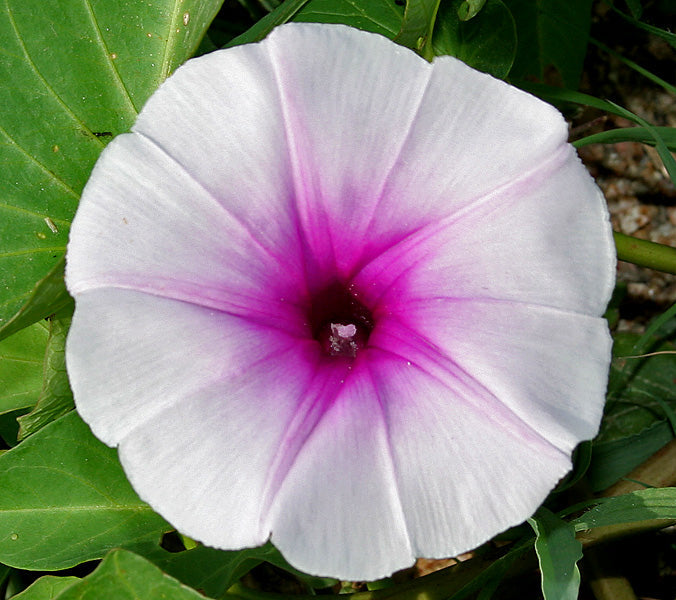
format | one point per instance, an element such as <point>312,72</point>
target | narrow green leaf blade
<point>619,513</point>
<point>282,14</point>
<point>631,134</point>
<point>558,552</point>
<point>123,575</point>
<point>64,481</point>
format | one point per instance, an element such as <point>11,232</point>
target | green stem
<point>645,254</point>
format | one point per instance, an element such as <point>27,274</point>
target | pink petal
<point>541,369</point>
<point>131,231</point>
<point>133,355</point>
<point>338,507</point>
<point>463,474</point>
<point>543,239</point>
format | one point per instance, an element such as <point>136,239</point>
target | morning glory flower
<point>335,296</point>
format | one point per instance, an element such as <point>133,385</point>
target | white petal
<point>132,355</point>
<point>145,224</point>
<point>338,512</point>
<point>545,240</point>
<point>462,476</point>
<point>546,367</point>
<point>473,134</point>
<point>219,116</point>
<point>346,124</point>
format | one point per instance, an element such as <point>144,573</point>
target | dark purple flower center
<point>339,321</point>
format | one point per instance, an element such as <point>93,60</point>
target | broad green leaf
<point>553,38</point>
<point>487,42</point>
<point>558,552</point>
<point>64,499</point>
<point>283,13</point>
<point>619,512</point>
<point>208,570</point>
<point>73,74</point>
<point>636,388</point>
<point>21,360</point>
<point>378,16</point>
<point>418,25</point>
<point>48,296</point>
<point>46,588</point>
<point>56,397</point>
<point>123,575</point>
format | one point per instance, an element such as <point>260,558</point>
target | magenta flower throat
<point>334,296</point>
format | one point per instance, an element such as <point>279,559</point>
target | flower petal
<point>329,92</point>
<point>219,117</point>
<point>376,180</point>
<point>462,476</point>
<point>338,509</point>
<point>131,355</point>
<point>544,239</point>
<point>140,207</point>
<point>558,395</point>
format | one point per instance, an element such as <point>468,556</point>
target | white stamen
<point>344,331</point>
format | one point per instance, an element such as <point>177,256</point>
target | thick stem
<point>645,254</point>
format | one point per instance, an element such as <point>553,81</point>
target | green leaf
<point>558,552</point>
<point>418,25</point>
<point>613,460</point>
<point>487,42</point>
<point>73,74</point>
<point>631,134</point>
<point>48,296</point>
<point>469,9</point>
<point>123,575</point>
<point>56,397</point>
<point>616,513</point>
<point>209,570</point>
<point>660,145</point>
<point>21,359</point>
<point>64,499</point>
<point>282,14</point>
<point>635,8</point>
<point>553,38</point>
<point>378,16</point>
<point>636,388</point>
<point>668,36</point>
<point>46,588</point>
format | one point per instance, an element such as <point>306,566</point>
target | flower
<point>330,294</point>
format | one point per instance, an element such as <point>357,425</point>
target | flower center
<point>339,321</point>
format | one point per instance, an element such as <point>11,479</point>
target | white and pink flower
<point>331,294</point>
